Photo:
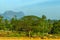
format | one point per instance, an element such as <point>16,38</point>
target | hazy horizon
<point>50,8</point>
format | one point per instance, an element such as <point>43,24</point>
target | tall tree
<point>30,22</point>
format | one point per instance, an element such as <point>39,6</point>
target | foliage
<point>56,27</point>
<point>29,26</point>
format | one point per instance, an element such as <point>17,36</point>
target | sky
<point>50,8</point>
<point>12,4</point>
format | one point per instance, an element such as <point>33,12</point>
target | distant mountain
<point>11,14</point>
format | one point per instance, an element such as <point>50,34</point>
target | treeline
<point>29,26</point>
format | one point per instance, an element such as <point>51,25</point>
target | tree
<point>56,27</point>
<point>50,25</point>
<point>43,24</point>
<point>2,27</point>
<point>29,23</point>
<point>13,23</point>
<point>6,24</point>
<point>43,17</point>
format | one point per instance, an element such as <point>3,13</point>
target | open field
<point>23,38</point>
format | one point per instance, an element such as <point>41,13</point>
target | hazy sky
<point>12,4</point>
<point>51,8</point>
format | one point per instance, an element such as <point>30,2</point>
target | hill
<point>10,14</point>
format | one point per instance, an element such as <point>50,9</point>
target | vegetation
<point>31,26</point>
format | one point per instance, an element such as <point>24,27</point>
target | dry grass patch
<point>24,38</point>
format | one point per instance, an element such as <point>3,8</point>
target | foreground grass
<point>24,38</point>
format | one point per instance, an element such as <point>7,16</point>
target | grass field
<point>24,38</point>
